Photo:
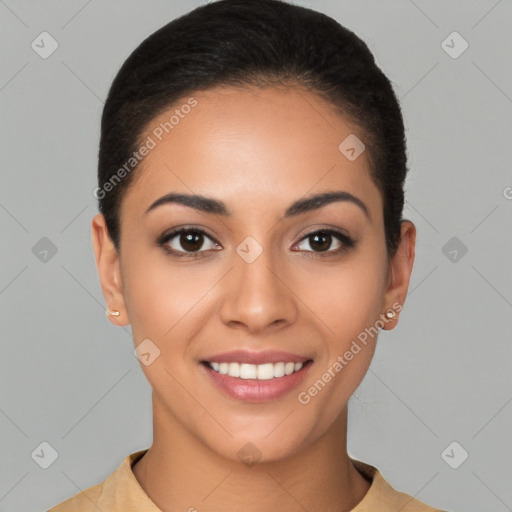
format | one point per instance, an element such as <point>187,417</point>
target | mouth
<point>265,371</point>
<point>256,377</point>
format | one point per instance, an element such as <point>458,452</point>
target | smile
<point>256,377</point>
<point>264,371</point>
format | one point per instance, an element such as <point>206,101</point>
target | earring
<point>390,314</point>
<point>113,312</point>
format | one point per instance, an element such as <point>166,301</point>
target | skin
<point>257,150</point>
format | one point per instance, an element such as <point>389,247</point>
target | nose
<point>257,296</point>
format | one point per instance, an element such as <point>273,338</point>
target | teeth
<point>289,368</point>
<point>265,371</point>
<point>248,371</point>
<point>234,369</point>
<point>279,370</point>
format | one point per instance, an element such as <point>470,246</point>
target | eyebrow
<point>210,205</point>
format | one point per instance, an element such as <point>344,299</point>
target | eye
<point>321,241</point>
<point>190,242</point>
<point>187,242</point>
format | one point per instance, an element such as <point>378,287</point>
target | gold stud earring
<point>390,314</point>
<point>113,312</point>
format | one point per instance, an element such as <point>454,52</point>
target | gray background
<point>69,378</point>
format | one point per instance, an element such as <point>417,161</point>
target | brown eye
<point>321,241</point>
<point>184,241</point>
<point>191,241</point>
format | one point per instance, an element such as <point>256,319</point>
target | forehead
<point>251,144</point>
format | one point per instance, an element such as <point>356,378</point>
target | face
<point>255,276</point>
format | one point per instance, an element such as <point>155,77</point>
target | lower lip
<point>254,390</point>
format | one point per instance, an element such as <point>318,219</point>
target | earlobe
<point>401,266</point>
<point>107,264</point>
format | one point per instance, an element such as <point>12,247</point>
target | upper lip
<point>252,357</point>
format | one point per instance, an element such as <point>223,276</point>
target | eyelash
<point>346,241</point>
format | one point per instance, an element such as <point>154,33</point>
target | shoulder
<point>383,497</point>
<point>119,491</point>
<point>84,501</point>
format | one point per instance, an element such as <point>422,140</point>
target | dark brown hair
<point>253,42</point>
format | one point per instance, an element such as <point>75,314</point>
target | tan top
<point>121,492</point>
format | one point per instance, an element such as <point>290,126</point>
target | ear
<point>400,269</point>
<point>109,272</point>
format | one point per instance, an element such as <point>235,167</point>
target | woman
<point>251,170</point>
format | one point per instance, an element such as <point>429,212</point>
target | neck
<point>180,473</point>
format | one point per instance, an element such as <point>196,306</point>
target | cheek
<point>164,304</point>
<point>348,300</point>
<point>163,299</point>
<point>161,294</point>
<point>349,304</point>
<point>348,297</point>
